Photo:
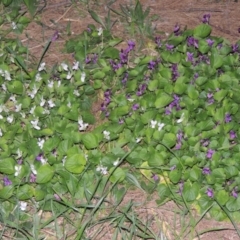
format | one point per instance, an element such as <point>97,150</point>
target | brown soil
<point>58,14</point>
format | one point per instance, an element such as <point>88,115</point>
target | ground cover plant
<point>167,122</point>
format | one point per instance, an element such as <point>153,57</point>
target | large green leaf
<point>163,100</point>
<point>90,140</point>
<point>44,173</point>
<point>202,31</point>
<point>25,192</point>
<point>75,163</point>
<point>169,139</point>
<point>7,166</point>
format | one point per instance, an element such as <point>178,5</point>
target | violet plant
<point>174,116</point>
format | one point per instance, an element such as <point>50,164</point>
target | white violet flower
<point>64,66</point>
<point>83,76</point>
<point>51,103</point>
<point>33,169</point>
<point>10,118</point>
<point>19,153</point>
<point>50,84</point>
<point>23,205</point>
<point>17,170</point>
<point>1,132</point>
<point>116,162</point>
<point>64,160</point>
<point>34,92</point>
<point>100,31</point>
<point>7,75</point>
<point>38,77</point>
<point>181,118</point>
<point>42,101</point>
<point>35,124</point>
<point>32,110</point>
<point>18,107</point>
<point>76,93</point>
<point>138,140</point>
<point>14,25</point>
<point>102,170</point>
<point>160,126</point>
<point>75,65</point>
<point>42,67</point>
<point>106,135</point>
<point>153,123</point>
<point>69,105</point>
<point>13,98</point>
<point>82,126</point>
<point>69,75</point>
<point>4,87</point>
<point>40,143</point>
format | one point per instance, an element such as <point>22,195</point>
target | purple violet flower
<point>176,30</point>
<point>210,98</point>
<point>6,181</point>
<point>158,41</point>
<point>206,18</point>
<point>209,154</point>
<point>205,142</point>
<point>169,47</point>
<point>141,89</point>
<point>210,42</point>
<point>95,58</point>
<point>219,46</point>
<point>175,73</point>
<point>189,57</point>
<point>179,140</point>
<point>191,41</point>
<point>168,111</point>
<point>88,60</point>
<point>135,107</point>
<point>39,157</point>
<point>178,145</point>
<point>120,121</point>
<point>55,36</point>
<point>235,47</point>
<point>155,177</point>
<point>33,178</point>
<point>125,78</point>
<point>20,161</point>
<point>206,171</point>
<point>181,186</point>
<point>210,193</point>
<point>115,66</point>
<point>173,167</point>
<point>56,196</point>
<point>228,118</point>
<point>152,65</point>
<point>123,55</point>
<point>234,193</point>
<point>232,134</point>
<point>131,45</point>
